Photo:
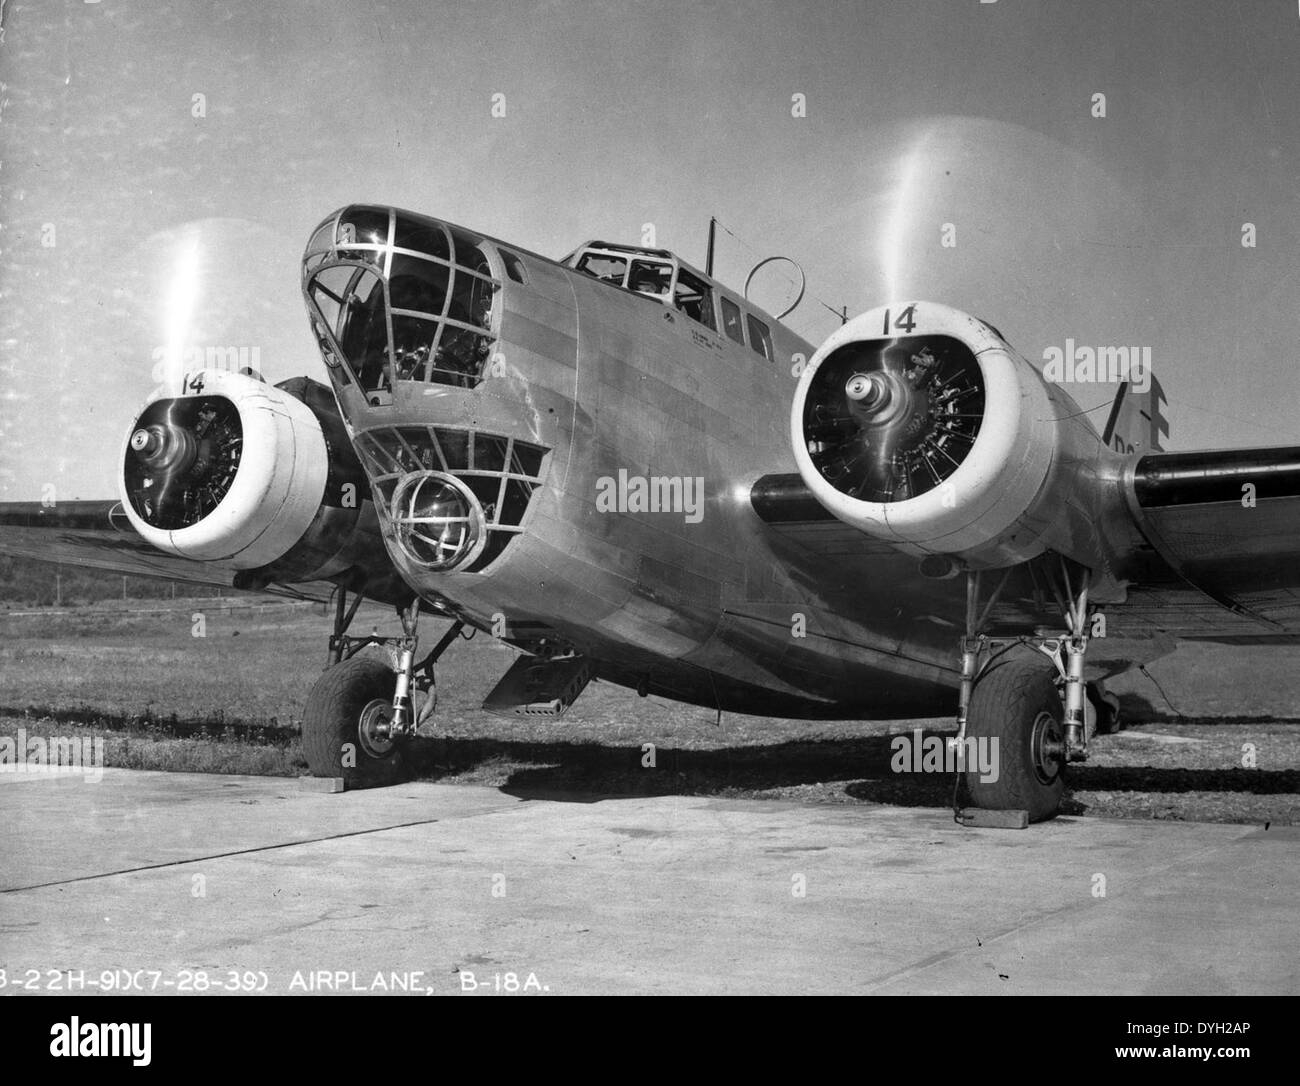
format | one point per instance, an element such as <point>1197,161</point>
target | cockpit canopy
<point>399,297</point>
<point>658,274</point>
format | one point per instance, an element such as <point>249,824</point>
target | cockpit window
<point>425,314</point>
<point>650,277</point>
<point>608,269</point>
<point>694,297</point>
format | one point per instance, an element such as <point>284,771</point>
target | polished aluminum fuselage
<point>709,604</point>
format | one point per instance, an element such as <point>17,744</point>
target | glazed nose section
<point>395,296</point>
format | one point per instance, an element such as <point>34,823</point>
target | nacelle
<point>918,425</point>
<point>259,477</point>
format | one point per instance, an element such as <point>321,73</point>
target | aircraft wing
<point>1206,545</point>
<point>96,534</point>
<point>1220,550</point>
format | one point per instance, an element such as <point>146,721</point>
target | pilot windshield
<point>650,277</point>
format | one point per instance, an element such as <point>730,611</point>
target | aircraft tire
<point>1016,702</point>
<point>332,736</point>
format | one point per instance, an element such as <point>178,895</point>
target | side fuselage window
<point>759,336</point>
<point>731,321</point>
<point>514,266</point>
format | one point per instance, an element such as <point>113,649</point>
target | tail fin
<point>1136,424</point>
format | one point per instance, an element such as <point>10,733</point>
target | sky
<point>135,216</point>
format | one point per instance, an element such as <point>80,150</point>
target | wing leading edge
<point>97,535</point>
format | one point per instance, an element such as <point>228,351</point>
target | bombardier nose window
<point>418,307</point>
<point>418,285</point>
<point>359,321</point>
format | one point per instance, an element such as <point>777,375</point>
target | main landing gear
<point>1020,720</point>
<point>361,711</point>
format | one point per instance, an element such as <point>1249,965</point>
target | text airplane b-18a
<point>597,459</point>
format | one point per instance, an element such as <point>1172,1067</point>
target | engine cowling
<point>258,477</point>
<point>918,425</point>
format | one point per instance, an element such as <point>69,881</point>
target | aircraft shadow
<point>591,772</point>
<point>1136,709</point>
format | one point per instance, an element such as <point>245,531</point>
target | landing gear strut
<point>360,711</point>
<point>1031,718</point>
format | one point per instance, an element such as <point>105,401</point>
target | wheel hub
<point>1047,747</point>
<point>374,729</point>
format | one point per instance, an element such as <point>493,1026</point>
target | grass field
<point>231,701</point>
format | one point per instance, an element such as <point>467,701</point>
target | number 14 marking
<point>904,322</point>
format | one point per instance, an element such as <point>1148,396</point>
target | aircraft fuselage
<point>622,524</point>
